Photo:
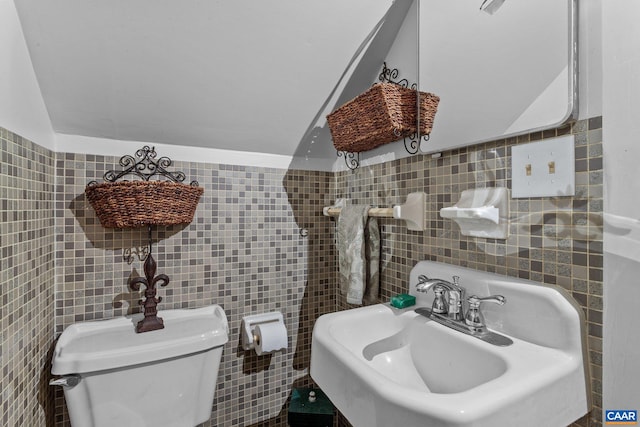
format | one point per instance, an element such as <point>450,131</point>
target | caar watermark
<point>620,417</point>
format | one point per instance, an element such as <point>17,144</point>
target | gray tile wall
<point>26,281</point>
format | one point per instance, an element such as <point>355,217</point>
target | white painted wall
<point>22,109</point>
<point>621,112</point>
<point>115,147</point>
<point>244,75</point>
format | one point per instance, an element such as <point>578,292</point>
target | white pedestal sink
<point>386,367</point>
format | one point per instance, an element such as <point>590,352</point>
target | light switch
<point>544,168</point>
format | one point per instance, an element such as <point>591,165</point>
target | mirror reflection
<point>500,67</point>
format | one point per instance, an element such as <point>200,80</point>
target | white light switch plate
<point>544,168</point>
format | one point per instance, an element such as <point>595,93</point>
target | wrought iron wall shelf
<point>144,202</point>
<point>411,142</point>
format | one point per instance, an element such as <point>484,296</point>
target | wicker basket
<point>129,204</point>
<point>384,113</point>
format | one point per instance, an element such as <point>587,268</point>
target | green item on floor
<point>310,407</point>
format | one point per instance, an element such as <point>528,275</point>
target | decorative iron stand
<point>144,166</point>
<point>151,321</point>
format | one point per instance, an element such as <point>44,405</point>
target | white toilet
<point>115,377</point>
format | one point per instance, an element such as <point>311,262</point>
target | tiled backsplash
<point>259,243</point>
<point>552,240</point>
<point>26,281</point>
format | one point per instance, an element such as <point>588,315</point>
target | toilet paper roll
<point>270,337</point>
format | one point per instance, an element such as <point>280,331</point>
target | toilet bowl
<point>113,376</point>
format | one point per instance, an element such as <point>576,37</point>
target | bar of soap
<point>402,301</point>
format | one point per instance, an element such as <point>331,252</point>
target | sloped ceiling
<point>246,75</point>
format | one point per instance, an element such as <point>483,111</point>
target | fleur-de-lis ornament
<point>151,321</point>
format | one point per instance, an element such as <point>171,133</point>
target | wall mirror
<point>503,71</point>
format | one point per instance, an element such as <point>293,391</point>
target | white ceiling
<point>248,75</point>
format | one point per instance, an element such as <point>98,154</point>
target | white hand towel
<point>358,254</point>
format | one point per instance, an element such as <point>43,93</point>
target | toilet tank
<point>162,378</point>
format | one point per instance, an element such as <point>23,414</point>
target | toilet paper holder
<point>250,322</point>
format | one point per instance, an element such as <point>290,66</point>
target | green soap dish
<point>402,301</point>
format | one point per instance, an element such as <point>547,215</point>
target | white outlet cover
<point>544,168</point>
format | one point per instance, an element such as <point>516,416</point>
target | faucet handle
<point>474,318</point>
<point>474,300</point>
<point>455,280</point>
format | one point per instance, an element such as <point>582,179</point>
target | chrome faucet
<point>447,309</point>
<point>449,295</point>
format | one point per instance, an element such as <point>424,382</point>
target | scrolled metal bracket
<point>388,75</point>
<point>145,166</point>
<point>141,252</point>
<point>412,142</point>
<point>352,160</point>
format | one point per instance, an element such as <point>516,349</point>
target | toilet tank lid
<point>109,344</point>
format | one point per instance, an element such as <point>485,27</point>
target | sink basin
<point>409,358</point>
<point>382,366</point>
